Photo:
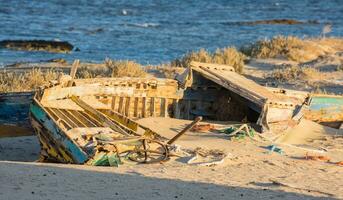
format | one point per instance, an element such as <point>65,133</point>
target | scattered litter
<point>317,158</point>
<point>276,149</point>
<point>239,132</point>
<point>178,151</point>
<point>105,159</point>
<point>340,163</point>
<point>307,148</point>
<point>203,157</point>
<point>203,128</point>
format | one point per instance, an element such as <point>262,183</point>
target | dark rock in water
<point>95,31</point>
<point>273,21</point>
<point>37,45</point>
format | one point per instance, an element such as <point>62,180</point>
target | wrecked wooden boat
<point>244,96</point>
<point>202,90</point>
<point>92,120</point>
<point>89,120</point>
<point>321,108</point>
<point>77,121</point>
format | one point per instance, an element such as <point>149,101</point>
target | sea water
<point>152,31</point>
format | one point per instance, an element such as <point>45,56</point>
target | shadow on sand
<point>29,180</point>
<point>40,181</point>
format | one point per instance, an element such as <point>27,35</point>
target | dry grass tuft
<point>293,48</point>
<point>300,77</point>
<point>294,73</point>
<point>164,71</point>
<point>125,68</point>
<point>28,81</point>
<point>227,56</point>
<point>230,56</point>
<point>35,78</point>
<point>122,68</point>
<point>201,56</point>
<point>277,46</point>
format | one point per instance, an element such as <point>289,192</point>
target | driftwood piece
<point>187,128</point>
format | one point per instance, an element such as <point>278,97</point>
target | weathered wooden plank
<point>152,107</point>
<point>85,90</point>
<point>113,102</point>
<point>121,105</point>
<point>63,116</point>
<point>212,66</point>
<point>135,107</point>
<point>87,121</point>
<point>188,109</point>
<point>92,118</point>
<point>105,121</point>
<point>128,124</point>
<point>164,107</point>
<point>127,106</point>
<point>144,102</point>
<point>76,118</point>
<point>247,88</point>
<point>176,108</point>
<point>73,71</point>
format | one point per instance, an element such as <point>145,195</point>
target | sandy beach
<point>93,93</point>
<point>249,172</point>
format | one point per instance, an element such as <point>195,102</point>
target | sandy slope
<point>249,173</point>
<point>327,78</point>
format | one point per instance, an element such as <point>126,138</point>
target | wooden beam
<point>103,118</point>
<point>212,66</point>
<point>73,71</point>
<point>127,106</point>
<point>183,131</point>
<point>164,107</point>
<point>121,104</point>
<point>113,103</point>
<point>135,107</point>
<point>152,107</point>
<point>176,109</point>
<point>188,109</point>
<point>144,107</point>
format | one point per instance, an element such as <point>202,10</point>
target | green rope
<point>242,134</point>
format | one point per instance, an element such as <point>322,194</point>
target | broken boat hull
<point>14,114</point>
<point>72,131</point>
<point>326,109</point>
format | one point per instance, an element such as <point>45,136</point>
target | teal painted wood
<point>14,108</point>
<point>327,103</point>
<point>78,155</point>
